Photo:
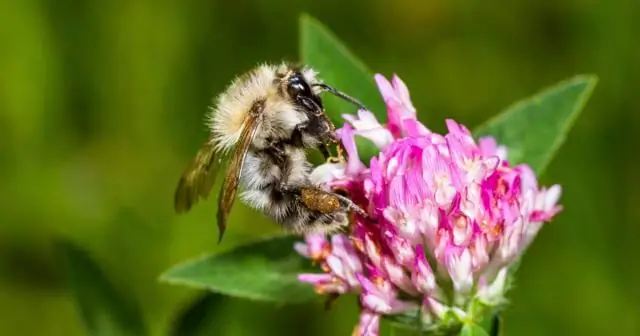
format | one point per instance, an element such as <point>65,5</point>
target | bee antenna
<point>341,95</point>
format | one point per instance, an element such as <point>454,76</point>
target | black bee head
<point>300,91</point>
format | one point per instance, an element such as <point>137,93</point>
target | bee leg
<point>340,149</point>
<point>326,202</point>
<point>350,204</point>
<point>324,149</point>
<point>318,127</point>
<point>296,139</point>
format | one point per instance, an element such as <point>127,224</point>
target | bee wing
<point>199,177</point>
<point>231,180</point>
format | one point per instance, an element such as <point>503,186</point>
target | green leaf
<point>198,317</point>
<point>340,68</point>
<point>104,311</point>
<point>535,128</point>
<point>265,270</point>
<point>472,329</point>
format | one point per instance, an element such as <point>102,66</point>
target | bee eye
<point>298,87</point>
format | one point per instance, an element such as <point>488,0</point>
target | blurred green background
<point>102,105</point>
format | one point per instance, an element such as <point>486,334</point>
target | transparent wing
<point>231,180</point>
<point>199,177</point>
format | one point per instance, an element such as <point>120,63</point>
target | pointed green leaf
<point>265,270</point>
<point>340,68</point>
<point>104,311</point>
<point>472,329</point>
<point>533,129</point>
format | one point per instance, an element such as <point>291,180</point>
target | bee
<point>261,125</point>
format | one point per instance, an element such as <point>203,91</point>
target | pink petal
<point>386,90</point>
<point>459,267</point>
<point>354,165</point>
<point>552,196</point>
<point>397,276</point>
<point>375,303</point>
<point>327,172</point>
<point>383,305</point>
<point>373,251</point>
<point>302,249</point>
<point>422,276</point>
<point>381,137</point>
<point>402,250</point>
<point>479,252</point>
<point>366,125</point>
<point>402,93</point>
<point>366,284</point>
<point>314,279</point>
<point>369,324</point>
<point>337,266</point>
<point>488,146</point>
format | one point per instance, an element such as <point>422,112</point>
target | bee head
<point>301,93</point>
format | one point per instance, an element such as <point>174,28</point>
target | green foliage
<point>535,128</point>
<point>532,130</point>
<point>104,311</point>
<point>265,270</point>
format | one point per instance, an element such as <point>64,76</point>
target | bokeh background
<point>102,104</point>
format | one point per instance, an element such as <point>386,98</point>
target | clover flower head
<point>447,217</point>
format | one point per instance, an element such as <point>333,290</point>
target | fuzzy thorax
<point>263,83</point>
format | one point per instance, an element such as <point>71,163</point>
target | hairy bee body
<point>266,119</point>
<point>262,177</point>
